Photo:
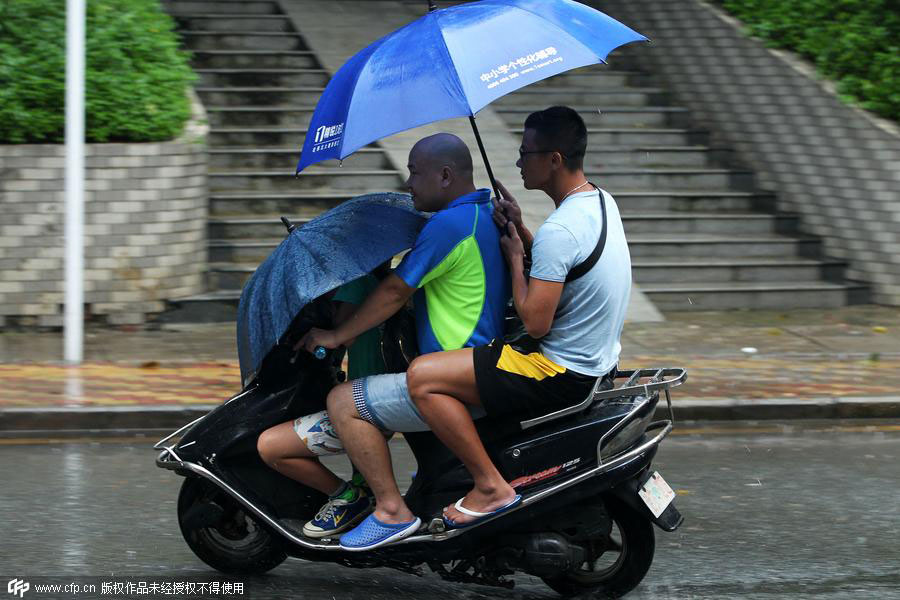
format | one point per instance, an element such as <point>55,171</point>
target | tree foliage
<point>135,82</point>
<point>854,42</point>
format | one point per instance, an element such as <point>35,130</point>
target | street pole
<point>74,294</point>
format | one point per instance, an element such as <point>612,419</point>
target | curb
<point>101,420</point>
<point>769,409</point>
<point>98,419</point>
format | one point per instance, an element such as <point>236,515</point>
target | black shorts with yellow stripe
<point>510,381</point>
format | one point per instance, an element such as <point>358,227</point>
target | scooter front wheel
<point>222,534</point>
<point>615,564</point>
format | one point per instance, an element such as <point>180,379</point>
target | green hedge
<point>854,42</point>
<point>136,78</point>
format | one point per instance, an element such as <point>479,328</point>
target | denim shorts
<point>384,401</point>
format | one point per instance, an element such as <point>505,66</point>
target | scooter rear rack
<point>655,380</point>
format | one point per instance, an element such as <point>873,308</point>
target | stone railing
<point>145,227</point>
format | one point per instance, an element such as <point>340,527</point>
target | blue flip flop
<point>372,533</point>
<point>479,516</point>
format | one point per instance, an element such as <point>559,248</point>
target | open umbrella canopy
<point>451,63</point>
<point>338,246</point>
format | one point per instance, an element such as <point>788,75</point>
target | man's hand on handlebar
<point>317,337</point>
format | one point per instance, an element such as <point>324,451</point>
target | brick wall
<point>145,228</point>
<point>836,166</point>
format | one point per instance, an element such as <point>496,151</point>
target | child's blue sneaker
<point>339,514</point>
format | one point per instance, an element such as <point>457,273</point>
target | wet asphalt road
<point>770,512</point>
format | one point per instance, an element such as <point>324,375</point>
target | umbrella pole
<point>487,164</point>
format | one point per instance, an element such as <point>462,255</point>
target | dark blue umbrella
<point>451,63</point>
<point>338,246</point>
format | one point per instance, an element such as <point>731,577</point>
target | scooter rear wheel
<point>222,534</point>
<point>615,564</point>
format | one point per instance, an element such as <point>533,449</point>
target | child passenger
<point>293,448</point>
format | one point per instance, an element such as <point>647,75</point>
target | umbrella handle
<point>487,164</point>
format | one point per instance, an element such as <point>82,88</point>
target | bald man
<point>461,284</point>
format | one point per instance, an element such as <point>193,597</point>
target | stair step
<point>598,77</point>
<point>616,180</point>
<point>229,276</point>
<point>257,137</point>
<point>243,251</point>
<point>237,228</point>
<point>219,306</point>
<point>260,96</point>
<point>241,40</point>
<point>287,158</point>
<point>230,22</point>
<point>708,223</point>
<point>754,296</point>
<point>602,137</point>
<point>261,59</point>
<point>259,116</point>
<point>723,201</point>
<point>242,7</point>
<point>359,181</point>
<point>732,246</point>
<point>542,97</point>
<point>609,116</point>
<point>704,270</point>
<point>262,78</point>
<point>308,203</point>
<point>653,156</point>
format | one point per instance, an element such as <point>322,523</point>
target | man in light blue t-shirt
<point>574,302</point>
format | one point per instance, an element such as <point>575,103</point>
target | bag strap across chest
<point>587,264</point>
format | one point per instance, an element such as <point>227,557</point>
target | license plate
<point>656,494</point>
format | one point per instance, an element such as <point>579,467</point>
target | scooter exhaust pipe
<point>541,554</point>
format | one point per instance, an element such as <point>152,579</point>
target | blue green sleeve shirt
<point>461,276</point>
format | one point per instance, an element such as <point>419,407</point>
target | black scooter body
<point>554,465</point>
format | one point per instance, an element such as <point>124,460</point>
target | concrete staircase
<point>259,84</point>
<point>702,236</point>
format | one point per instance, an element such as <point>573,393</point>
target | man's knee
<point>417,379</point>
<point>340,403</point>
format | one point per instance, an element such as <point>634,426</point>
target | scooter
<point>590,495</point>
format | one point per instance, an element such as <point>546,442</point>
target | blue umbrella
<point>452,63</point>
<point>338,246</point>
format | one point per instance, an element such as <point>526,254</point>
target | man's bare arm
<point>385,300</point>
<point>535,300</point>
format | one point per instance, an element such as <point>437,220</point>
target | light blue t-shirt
<point>584,336</point>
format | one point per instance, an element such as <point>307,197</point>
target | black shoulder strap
<point>586,265</point>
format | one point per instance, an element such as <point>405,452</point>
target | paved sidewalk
<point>798,364</point>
